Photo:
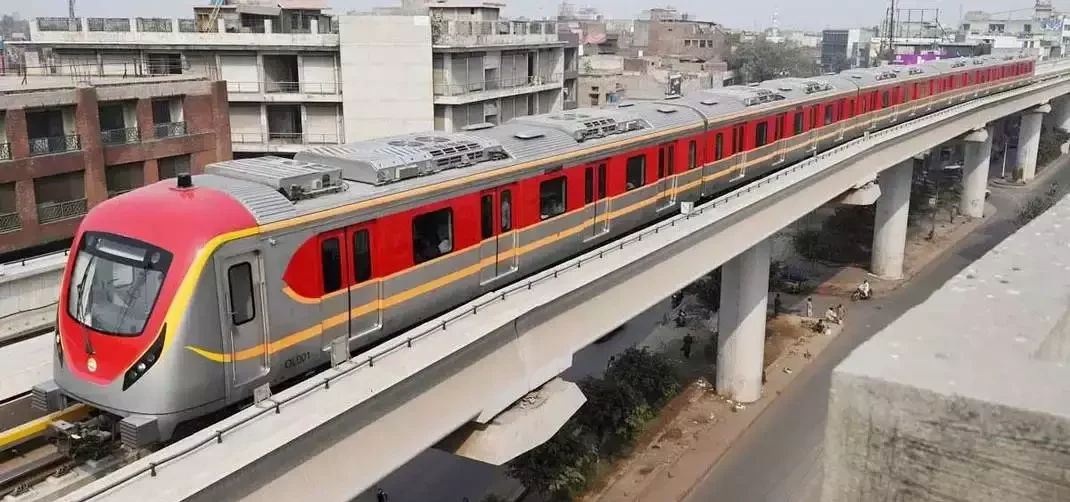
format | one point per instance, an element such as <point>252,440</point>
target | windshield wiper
<point>78,311</point>
<point>134,287</point>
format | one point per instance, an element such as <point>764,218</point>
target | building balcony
<point>570,105</point>
<point>9,222</point>
<point>5,151</point>
<point>170,130</point>
<point>116,137</point>
<point>167,31</point>
<point>460,34</point>
<point>279,141</point>
<point>55,144</point>
<point>283,91</point>
<point>51,212</point>
<point>461,93</point>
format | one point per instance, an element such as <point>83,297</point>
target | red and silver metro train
<point>183,296</point>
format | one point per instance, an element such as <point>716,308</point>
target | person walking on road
<point>778,306</point>
<point>809,306</point>
<point>380,495</point>
<point>686,348</point>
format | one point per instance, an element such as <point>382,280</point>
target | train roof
<point>321,178</point>
<point>327,177</point>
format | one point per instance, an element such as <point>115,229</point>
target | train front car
<point>135,291</point>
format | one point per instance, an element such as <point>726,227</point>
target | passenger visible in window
<point>444,243</point>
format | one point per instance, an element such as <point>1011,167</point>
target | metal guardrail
<point>154,25</point>
<point>114,24</point>
<point>322,383</point>
<point>502,31</point>
<point>170,130</point>
<point>459,89</point>
<point>50,212</point>
<point>55,144</point>
<point>124,136</point>
<point>10,222</point>
<point>326,88</point>
<point>59,24</point>
<point>284,138</point>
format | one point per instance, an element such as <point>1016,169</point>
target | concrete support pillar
<point>741,324</point>
<point>975,172</point>
<point>1029,141</point>
<point>890,229</point>
<point>1060,114</point>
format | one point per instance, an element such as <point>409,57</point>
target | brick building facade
<point>70,147</point>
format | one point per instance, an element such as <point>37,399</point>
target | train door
<point>594,195</point>
<point>778,135</point>
<point>739,147</point>
<point>246,320</point>
<point>366,295</point>
<point>498,232</point>
<point>334,305</point>
<point>666,180</point>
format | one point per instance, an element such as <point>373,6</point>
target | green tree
<point>758,60</point>
<point>650,374</point>
<point>559,468</point>
<point>614,413</point>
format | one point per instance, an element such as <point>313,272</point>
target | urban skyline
<point>814,15</point>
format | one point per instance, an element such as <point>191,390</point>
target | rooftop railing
<point>500,32</point>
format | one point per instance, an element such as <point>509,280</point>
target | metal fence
<point>445,31</point>
<point>285,138</point>
<point>170,130</point>
<point>59,24</point>
<point>124,136</point>
<point>49,212</point>
<point>119,24</point>
<point>55,144</point>
<point>284,87</point>
<point>9,222</point>
<point>454,89</point>
<point>154,25</point>
<point>5,151</point>
<point>190,26</point>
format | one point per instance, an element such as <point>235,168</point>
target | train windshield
<point>115,283</point>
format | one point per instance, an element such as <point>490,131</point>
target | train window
<point>718,146</point>
<point>799,122</point>
<point>362,256</point>
<point>331,253</point>
<point>830,113</point>
<point>486,216</point>
<point>737,137</point>
<point>507,210</point>
<point>242,303</point>
<point>661,162</point>
<point>432,235</point>
<point>779,134</point>
<point>552,197</point>
<point>635,176</point>
<point>692,155</point>
<point>588,185</point>
<point>672,159</point>
<point>601,181</point>
<point>760,134</point>
<point>814,117</point>
<point>886,99</point>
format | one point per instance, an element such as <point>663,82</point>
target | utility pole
<point>70,9</point>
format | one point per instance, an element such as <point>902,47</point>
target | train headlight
<point>147,360</point>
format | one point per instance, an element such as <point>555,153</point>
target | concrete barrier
<point>29,290</point>
<point>967,395</point>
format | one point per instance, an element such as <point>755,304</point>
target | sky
<point>801,14</point>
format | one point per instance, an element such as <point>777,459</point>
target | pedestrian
<point>841,313</point>
<point>380,495</point>
<point>778,306</point>
<point>686,348</point>
<point>677,299</point>
<point>609,364</point>
<point>809,306</point>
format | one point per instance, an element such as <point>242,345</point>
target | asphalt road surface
<point>779,459</point>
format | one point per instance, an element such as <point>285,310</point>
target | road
<point>779,458</point>
<point>443,477</point>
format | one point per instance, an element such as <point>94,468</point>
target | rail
<point>50,212</point>
<point>327,88</point>
<point>125,136</point>
<point>458,89</point>
<point>170,130</point>
<point>798,172</point>
<point>55,144</point>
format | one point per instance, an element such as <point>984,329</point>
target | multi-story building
<point>665,32</point>
<point>299,77</point>
<point>70,144</point>
<point>843,49</point>
<point>1042,32</point>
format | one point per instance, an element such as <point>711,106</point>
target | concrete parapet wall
<point>33,284</point>
<point>964,397</point>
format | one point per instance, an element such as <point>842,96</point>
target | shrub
<point>1033,208</point>
<point>1050,146</point>
<point>650,374</point>
<point>559,468</point>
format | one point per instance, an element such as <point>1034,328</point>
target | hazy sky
<point>808,14</point>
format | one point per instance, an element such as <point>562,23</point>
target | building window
<point>552,197</point>
<point>635,175</point>
<point>432,235</point>
<point>242,304</point>
<point>332,265</point>
<point>594,98</point>
<point>362,256</point>
<point>761,134</point>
